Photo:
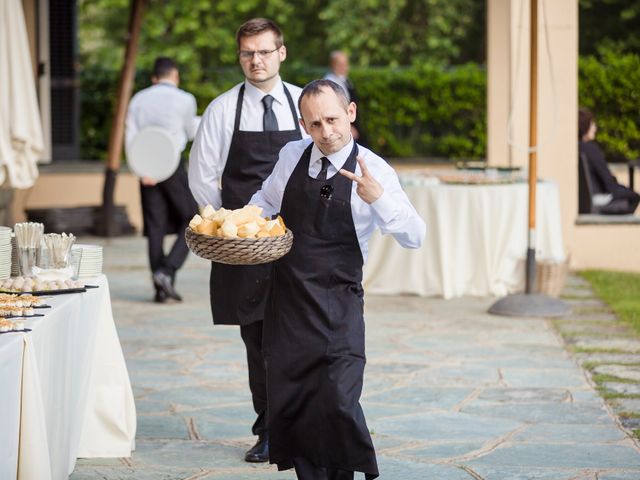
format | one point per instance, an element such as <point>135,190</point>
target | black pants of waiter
<point>305,470</point>
<point>167,208</point>
<point>252,337</point>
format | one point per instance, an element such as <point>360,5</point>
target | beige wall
<point>601,246</point>
<point>79,189</point>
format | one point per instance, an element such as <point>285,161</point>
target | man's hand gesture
<point>368,187</point>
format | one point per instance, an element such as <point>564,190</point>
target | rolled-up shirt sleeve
<point>394,214</point>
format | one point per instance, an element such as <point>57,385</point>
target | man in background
<point>167,206</point>
<point>339,73</point>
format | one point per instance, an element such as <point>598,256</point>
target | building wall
<point>79,189</point>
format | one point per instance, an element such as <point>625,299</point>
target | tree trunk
<point>107,227</point>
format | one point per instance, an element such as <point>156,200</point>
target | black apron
<point>314,333</point>
<point>238,293</point>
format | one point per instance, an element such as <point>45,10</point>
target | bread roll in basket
<point>238,237</point>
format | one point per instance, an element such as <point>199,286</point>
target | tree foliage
<point>200,34</point>
<point>419,96</point>
<point>609,24</point>
<point>399,32</point>
<point>609,87</point>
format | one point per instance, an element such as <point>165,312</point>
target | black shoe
<point>160,296</point>
<point>259,453</point>
<point>162,282</point>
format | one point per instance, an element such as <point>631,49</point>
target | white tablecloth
<point>475,245</point>
<point>76,398</point>
<point>11,349</point>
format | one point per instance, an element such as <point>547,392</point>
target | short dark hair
<point>314,87</point>
<point>585,117</point>
<point>256,26</point>
<point>163,66</point>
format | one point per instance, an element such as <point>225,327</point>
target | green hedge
<point>422,111</point>
<point>610,87</point>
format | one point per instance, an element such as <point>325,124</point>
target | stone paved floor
<point>450,391</point>
<point>607,348</point>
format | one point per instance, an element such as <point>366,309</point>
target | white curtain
<point>21,137</point>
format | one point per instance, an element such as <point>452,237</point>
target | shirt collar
<point>165,83</point>
<point>337,159</point>
<point>254,94</point>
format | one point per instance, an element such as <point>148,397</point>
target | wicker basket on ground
<point>551,276</point>
<point>239,251</point>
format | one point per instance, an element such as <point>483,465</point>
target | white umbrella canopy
<point>21,137</point>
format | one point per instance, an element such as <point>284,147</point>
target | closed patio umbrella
<point>21,137</point>
<point>530,304</point>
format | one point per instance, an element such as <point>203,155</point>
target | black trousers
<point>252,337</point>
<point>305,470</point>
<point>167,208</point>
<point>625,201</point>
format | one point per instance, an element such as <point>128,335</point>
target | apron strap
<point>236,123</point>
<point>296,122</point>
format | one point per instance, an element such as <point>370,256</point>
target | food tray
<point>52,292</point>
<point>22,316</point>
<point>17,331</point>
<point>239,251</point>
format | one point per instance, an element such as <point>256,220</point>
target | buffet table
<point>475,245</point>
<point>65,389</point>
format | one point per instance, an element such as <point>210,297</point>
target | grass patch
<point>629,415</point>
<point>583,311</point>
<point>601,378</point>
<point>608,395</point>
<point>591,364</point>
<point>605,334</point>
<point>603,350</point>
<point>621,290</point>
<point>577,297</point>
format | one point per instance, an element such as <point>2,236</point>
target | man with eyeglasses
<point>235,149</point>
<point>332,193</point>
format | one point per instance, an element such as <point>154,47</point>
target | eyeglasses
<point>248,55</point>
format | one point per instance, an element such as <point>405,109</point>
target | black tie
<point>323,171</point>
<point>269,120</point>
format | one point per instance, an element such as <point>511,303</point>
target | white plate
<point>153,154</point>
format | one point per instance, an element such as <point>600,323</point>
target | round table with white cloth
<point>475,245</point>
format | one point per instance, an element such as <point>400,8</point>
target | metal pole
<point>533,142</point>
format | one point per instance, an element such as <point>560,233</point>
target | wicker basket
<point>239,251</point>
<point>551,276</point>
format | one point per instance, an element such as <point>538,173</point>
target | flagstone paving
<point>450,391</point>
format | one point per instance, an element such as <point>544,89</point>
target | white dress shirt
<point>392,212</point>
<point>163,105</point>
<point>211,146</point>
